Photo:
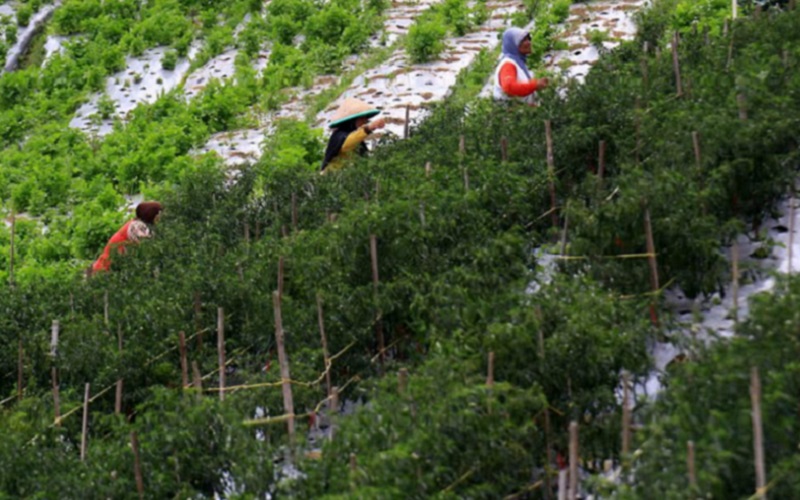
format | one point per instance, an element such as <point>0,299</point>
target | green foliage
<point>425,40</point>
<point>169,60</point>
<point>24,13</point>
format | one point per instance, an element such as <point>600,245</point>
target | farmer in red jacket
<point>513,79</point>
<point>131,232</point>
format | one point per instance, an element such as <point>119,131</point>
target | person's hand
<point>543,83</point>
<point>379,123</point>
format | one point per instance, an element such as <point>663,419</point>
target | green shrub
<point>425,41</point>
<point>169,60</point>
<point>24,13</point>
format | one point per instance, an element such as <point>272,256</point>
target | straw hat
<point>350,109</point>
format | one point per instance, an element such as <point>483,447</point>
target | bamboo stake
<point>601,160</point>
<point>726,26</point>
<point>462,148</point>
<point>247,233</point>
<point>564,235</point>
<point>548,448</point>
<point>562,485</point>
<point>735,281</point>
<point>288,403</point>
<point>184,362</point>
<point>105,311</point>
<point>373,250</point>
<point>651,250</point>
<point>85,426</point>
<point>198,313</point>
<point>377,190</point>
<point>118,395</point>
<point>407,124</point>
<point>294,212</point>
<point>643,65</point>
<point>20,367</point>
<point>696,145</point>
<point>333,409</point>
<point>706,35</point>
<point>197,380</point>
<point>791,232</point>
<point>573,461</point>
<point>427,169</point>
<point>402,380</point>
<point>551,171</point>
<point>676,64</point>
<point>280,277</point>
<point>742,102</point>
<point>734,8</point>
<point>221,351</point>
<point>137,467</point>
<point>490,371</point>
<point>690,464</point>
<point>504,149</point>
<point>11,249</point>
<point>325,355</point>
<point>638,126</point>
<point>54,331</point>
<point>626,415</point>
<point>758,433</point>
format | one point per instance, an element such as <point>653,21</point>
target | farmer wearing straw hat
<point>512,79</point>
<point>350,128</point>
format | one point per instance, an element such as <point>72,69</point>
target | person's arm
<point>513,87</point>
<point>355,138</point>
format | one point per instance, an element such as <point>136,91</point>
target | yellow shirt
<point>355,138</point>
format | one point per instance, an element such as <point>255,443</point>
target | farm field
<point>593,296</point>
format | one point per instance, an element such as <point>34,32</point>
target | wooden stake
<point>504,149</point>
<point>706,35</point>
<point>333,409</point>
<point>85,426</point>
<point>573,461</point>
<point>462,149</point>
<point>562,485</point>
<point>758,433</point>
<point>601,160</point>
<point>280,277</point>
<point>118,395</point>
<point>696,144</point>
<point>741,100</point>
<point>197,380</point>
<point>791,232</point>
<point>726,26</point>
<point>676,64</point>
<point>626,419</point>
<point>637,116</point>
<point>54,330</point>
<point>735,281</point>
<point>551,171</point>
<point>20,367</point>
<point>651,251</point>
<point>373,250</point>
<point>325,355</point>
<point>407,124</point>
<point>427,169</point>
<point>548,448</point>
<point>734,8</point>
<point>247,233</point>
<point>184,361</point>
<point>11,249</point>
<point>221,351</point>
<point>294,212</point>
<point>490,370</point>
<point>288,402</point>
<point>402,380</point>
<point>690,464</point>
<point>105,311</point>
<point>564,235</point>
<point>353,462</point>
<point>137,466</point>
<point>198,314</point>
